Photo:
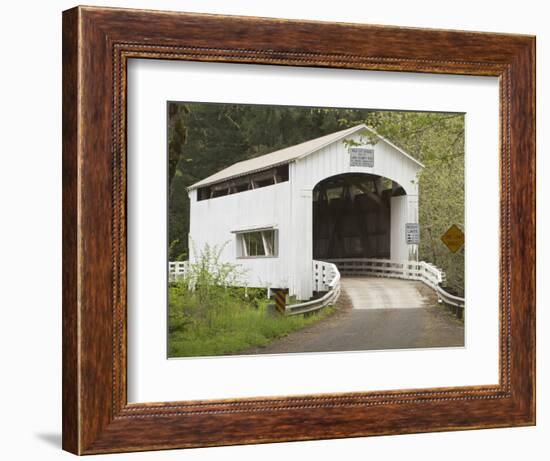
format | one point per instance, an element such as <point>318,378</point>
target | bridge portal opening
<point>352,216</point>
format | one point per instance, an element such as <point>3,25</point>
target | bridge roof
<point>288,155</point>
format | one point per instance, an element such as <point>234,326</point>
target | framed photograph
<point>281,230</point>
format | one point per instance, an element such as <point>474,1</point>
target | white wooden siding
<point>215,221</point>
<point>334,159</point>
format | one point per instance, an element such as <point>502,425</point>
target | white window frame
<point>242,250</point>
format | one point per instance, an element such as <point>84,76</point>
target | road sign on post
<point>453,238</point>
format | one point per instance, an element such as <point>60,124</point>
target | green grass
<point>208,315</point>
<point>215,320</point>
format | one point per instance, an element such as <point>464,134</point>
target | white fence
<point>177,269</point>
<point>326,277</point>
<point>425,272</point>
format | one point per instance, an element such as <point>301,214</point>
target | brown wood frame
<point>97,43</point>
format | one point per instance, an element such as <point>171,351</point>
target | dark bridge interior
<point>351,216</point>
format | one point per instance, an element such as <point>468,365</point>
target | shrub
<point>212,312</point>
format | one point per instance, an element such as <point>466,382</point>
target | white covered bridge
<point>345,203</point>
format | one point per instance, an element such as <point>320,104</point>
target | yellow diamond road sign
<point>453,238</point>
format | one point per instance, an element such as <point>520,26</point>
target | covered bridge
<point>349,194</point>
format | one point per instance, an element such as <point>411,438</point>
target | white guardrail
<point>425,272</point>
<point>326,277</point>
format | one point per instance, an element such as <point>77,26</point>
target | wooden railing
<point>425,272</point>
<point>177,269</point>
<point>326,277</point>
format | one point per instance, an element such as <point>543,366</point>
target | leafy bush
<point>212,312</point>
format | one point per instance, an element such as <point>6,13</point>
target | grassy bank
<point>230,323</point>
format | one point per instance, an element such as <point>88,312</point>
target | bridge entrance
<point>352,216</point>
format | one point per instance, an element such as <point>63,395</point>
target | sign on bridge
<point>361,156</point>
<point>412,233</point>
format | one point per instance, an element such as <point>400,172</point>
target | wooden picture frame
<point>97,43</point>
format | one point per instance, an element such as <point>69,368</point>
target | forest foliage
<point>205,138</point>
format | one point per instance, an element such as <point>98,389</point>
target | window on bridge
<point>243,183</point>
<point>256,244</point>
